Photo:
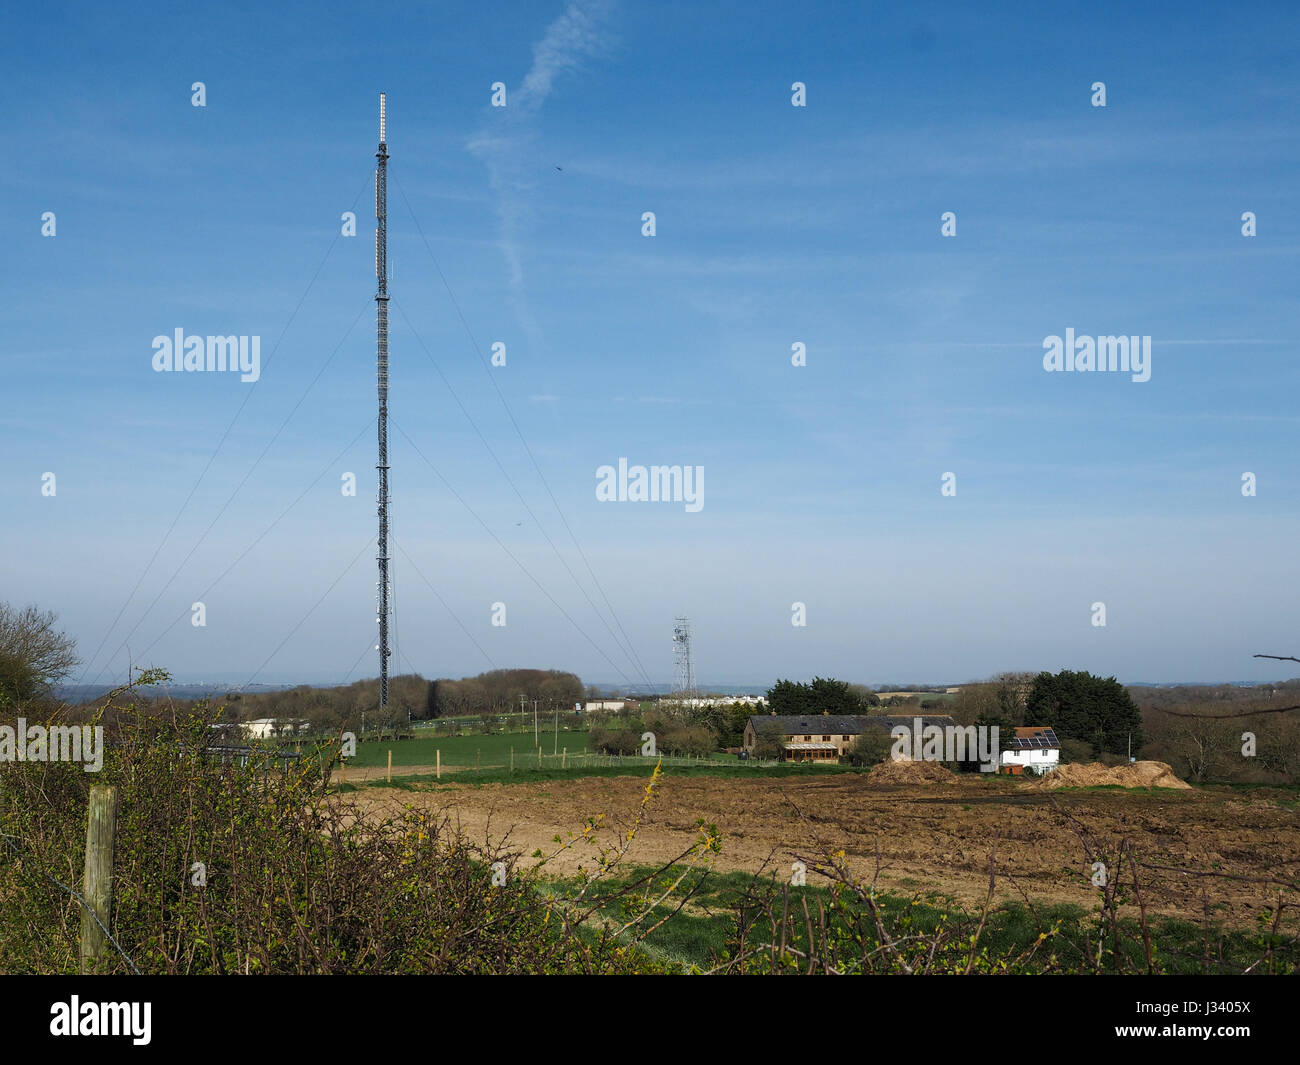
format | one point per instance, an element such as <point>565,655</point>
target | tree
<point>867,699</point>
<point>769,744</point>
<point>735,718</point>
<point>999,701</point>
<point>823,695</point>
<point>872,747</point>
<point>1076,751</point>
<point>1084,707</point>
<point>33,655</point>
<point>788,697</point>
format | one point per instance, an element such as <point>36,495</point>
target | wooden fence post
<point>439,753</point>
<point>390,766</point>
<point>97,883</point>
<point>564,758</point>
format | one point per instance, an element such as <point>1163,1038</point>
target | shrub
<point>296,880</point>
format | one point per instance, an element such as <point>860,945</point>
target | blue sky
<point>775,224</point>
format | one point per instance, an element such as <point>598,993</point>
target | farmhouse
<point>826,737</point>
<point>1035,747</point>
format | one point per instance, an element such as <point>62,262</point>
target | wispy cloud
<point>503,145</point>
<point>577,34</point>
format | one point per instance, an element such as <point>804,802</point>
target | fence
<point>523,760</point>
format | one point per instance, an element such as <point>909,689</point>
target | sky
<point>915,498</point>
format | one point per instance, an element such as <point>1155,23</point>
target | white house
<point>1034,747</point>
<point>264,727</point>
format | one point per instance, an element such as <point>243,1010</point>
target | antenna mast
<point>381,303</point>
<point>684,682</point>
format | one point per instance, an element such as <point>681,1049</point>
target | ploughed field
<point>924,837</point>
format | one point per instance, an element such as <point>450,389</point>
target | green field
<point>527,772</point>
<point>491,750</point>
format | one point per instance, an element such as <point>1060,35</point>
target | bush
<point>625,741</point>
<point>769,745</point>
<point>297,881</point>
<point>1076,751</point>
<point>693,740</point>
<point>871,747</point>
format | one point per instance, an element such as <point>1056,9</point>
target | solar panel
<point>1039,739</point>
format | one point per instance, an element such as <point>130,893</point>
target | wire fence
<point>526,761</point>
<point>15,847</point>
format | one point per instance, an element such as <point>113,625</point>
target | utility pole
<point>381,303</point>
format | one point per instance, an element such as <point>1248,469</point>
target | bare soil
<point>916,837</point>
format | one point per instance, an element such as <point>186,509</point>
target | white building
<point>264,727</point>
<point>717,700</point>
<point>1034,747</point>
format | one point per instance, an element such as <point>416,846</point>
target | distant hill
<point>83,693</point>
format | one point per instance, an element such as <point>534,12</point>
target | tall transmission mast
<point>684,681</point>
<point>381,303</point>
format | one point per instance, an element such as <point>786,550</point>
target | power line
<point>445,604</point>
<point>215,451</point>
<point>509,480</point>
<point>312,609</point>
<point>238,488</point>
<point>486,528</point>
<point>261,536</point>
<point>370,643</point>
<point>519,432</point>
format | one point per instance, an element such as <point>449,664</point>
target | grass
<point>631,767</point>
<point>491,750</point>
<point>698,935</point>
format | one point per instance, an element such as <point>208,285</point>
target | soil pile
<point>1094,774</point>
<point>910,773</point>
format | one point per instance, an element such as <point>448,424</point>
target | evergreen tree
<point>1098,710</point>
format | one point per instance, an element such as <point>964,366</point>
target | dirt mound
<point>905,772</point>
<point>1094,774</point>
